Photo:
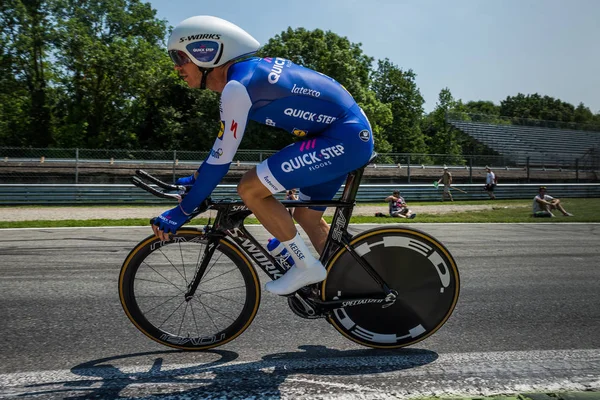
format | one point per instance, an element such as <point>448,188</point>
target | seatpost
<point>342,215</point>
<point>352,185</point>
<point>353,182</point>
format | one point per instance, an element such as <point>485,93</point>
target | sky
<point>479,49</point>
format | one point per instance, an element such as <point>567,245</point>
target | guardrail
<point>88,194</point>
<point>89,166</point>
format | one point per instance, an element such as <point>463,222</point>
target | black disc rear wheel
<point>414,264</point>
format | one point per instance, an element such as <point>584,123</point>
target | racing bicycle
<point>387,287</point>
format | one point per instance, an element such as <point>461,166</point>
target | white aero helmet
<point>209,42</point>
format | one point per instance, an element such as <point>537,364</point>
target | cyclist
<point>335,137</point>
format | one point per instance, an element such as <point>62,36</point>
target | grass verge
<point>585,210</point>
<point>512,211</point>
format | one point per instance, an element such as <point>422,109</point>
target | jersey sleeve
<point>235,107</point>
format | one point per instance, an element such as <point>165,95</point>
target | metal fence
<point>90,166</point>
<point>48,194</point>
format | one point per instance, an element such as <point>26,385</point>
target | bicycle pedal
<point>303,307</point>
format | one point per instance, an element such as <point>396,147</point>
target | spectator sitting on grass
<point>291,195</point>
<point>398,207</point>
<point>543,205</point>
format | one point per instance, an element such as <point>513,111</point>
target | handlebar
<point>180,190</point>
<point>143,174</point>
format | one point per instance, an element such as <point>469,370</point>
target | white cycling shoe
<point>297,277</point>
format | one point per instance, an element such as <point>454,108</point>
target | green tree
<point>442,137</point>
<point>108,53</point>
<point>177,117</point>
<point>482,107</point>
<point>398,89</point>
<point>25,31</point>
<point>583,115</point>
<point>535,106</point>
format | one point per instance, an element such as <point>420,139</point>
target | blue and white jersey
<point>291,97</point>
<point>279,93</point>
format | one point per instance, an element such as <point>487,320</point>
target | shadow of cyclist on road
<point>220,377</point>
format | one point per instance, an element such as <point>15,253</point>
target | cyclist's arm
<point>235,106</point>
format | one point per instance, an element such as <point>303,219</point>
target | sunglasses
<point>179,57</point>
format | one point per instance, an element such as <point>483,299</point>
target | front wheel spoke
<point>209,316</point>
<point>213,309</point>
<point>163,303</point>
<point>215,277</point>
<point>222,290</point>
<point>183,319</point>
<point>162,276</point>
<point>223,297</point>
<point>153,281</point>
<point>173,265</point>
<point>170,315</point>
<point>182,264</point>
<point>194,317</point>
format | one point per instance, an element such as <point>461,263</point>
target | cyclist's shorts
<point>318,165</point>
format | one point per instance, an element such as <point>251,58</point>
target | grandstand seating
<point>543,146</point>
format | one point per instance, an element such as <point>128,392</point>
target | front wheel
<point>156,276</point>
<point>412,263</point>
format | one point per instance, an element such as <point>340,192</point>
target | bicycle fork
<point>208,253</point>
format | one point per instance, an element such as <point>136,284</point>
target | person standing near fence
<point>446,179</point>
<point>490,183</point>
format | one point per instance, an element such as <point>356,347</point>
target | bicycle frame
<point>229,225</point>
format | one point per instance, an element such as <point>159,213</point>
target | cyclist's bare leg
<point>269,211</point>
<point>276,219</point>
<point>314,225</point>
